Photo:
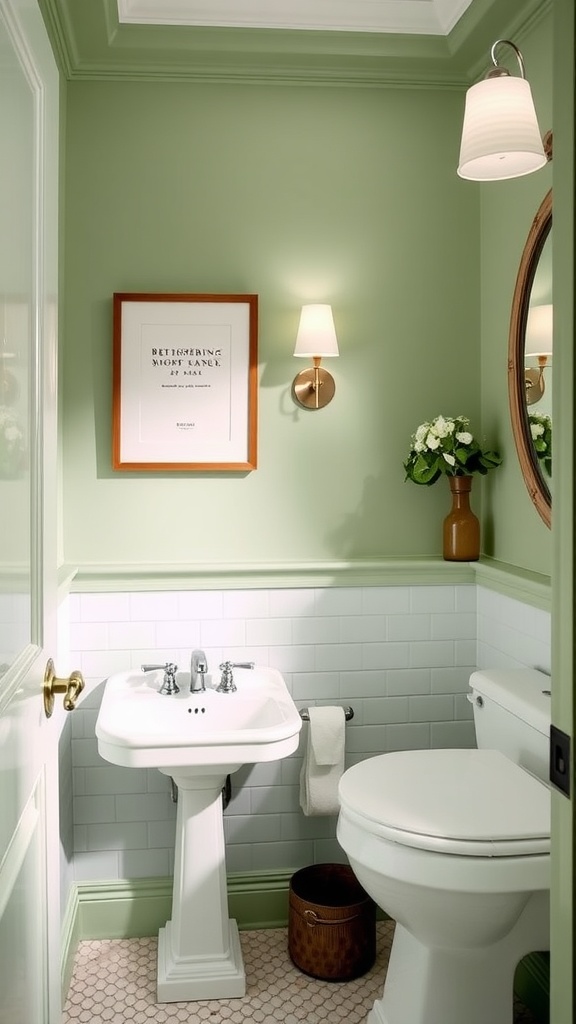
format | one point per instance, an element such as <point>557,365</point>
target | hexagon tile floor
<point>114,982</point>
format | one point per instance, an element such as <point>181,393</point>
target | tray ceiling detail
<point>423,17</point>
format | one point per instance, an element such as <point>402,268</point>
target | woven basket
<point>331,923</point>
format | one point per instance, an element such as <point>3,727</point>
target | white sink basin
<point>139,727</point>
<point>198,738</point>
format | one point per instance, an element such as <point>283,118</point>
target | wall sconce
<point>537,344</point>
<point>314,388</point>
<point>500,137</point>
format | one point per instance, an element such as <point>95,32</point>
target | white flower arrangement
<point>445,446</point>
<point>541,434</point>
<point>12,446</point>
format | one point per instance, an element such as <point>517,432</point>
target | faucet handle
<point>169,684</point>
<point>227,684</point>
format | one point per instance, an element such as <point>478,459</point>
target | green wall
<point>519,535</point>
<point>300,193</point>
<point>341,195</point>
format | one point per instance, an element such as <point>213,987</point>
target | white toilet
<point>455,846</point>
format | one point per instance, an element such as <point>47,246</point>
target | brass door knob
<point>71,688</point>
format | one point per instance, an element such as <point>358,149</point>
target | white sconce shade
<point>314,388</point>
<point>537,345</point>
<point>500,136</point>
<point>316,332</point>
<point>539,331</point>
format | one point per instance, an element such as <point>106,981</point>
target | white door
<point>29,847</point>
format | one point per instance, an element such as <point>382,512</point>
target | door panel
<point>22,920</point>
<point>29,848</point>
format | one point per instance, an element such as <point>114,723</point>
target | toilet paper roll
<point>323,763</point>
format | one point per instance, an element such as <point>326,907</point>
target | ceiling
<point>404,43</point>
<point>425,17</point>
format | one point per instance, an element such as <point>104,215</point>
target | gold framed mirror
<point>527,384</point>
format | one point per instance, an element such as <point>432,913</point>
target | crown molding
<point>433,17</point>
<point>90,44</point>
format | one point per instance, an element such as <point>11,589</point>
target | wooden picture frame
<point>185,384</point>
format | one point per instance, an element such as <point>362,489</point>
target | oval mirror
<point>530,361</point>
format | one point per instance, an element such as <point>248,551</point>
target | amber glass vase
<point>461,527</point>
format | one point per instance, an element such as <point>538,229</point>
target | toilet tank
<point>512,713</point>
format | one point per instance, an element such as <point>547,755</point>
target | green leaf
<point>422,473</point>
<point>461,455</point>
<point>490,459</point>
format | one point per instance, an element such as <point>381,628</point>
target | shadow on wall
<point>373,527</point>
<point>488,523</point>
<point>65,794</point>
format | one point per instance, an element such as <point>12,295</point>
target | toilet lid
<point>473,802</point>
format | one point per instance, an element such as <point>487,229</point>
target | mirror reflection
<point>17,286</point>
<point>538,360</point>
<point>530,361</point>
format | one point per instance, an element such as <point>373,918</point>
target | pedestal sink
<point>198,739</point>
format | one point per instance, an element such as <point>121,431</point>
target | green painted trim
<point>123,909</point>
<point>521,584</point>
<point>377,573</point>
<point>89,43</point>
<point>259,900</point>
<point>563,853</point>
<point>69,939</point>
<point>58,34</point>
<point>130,909</point>
<point>532,985</point>
<point>482,23</point>
<point>136,908</point>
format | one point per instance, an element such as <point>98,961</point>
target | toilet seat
<point>463,802</point>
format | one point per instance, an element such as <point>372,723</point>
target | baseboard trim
<point>136,908</point>
<point>139,907</point>
<point>69,939</point>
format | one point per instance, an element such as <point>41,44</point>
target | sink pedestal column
<point>199,955</point>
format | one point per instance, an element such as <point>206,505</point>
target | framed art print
<point>185,382</point>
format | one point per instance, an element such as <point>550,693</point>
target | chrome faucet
<point>169,684</point>
<point>198,669</point>
<point>227,684</point>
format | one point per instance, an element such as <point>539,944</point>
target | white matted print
<point>185,382</point>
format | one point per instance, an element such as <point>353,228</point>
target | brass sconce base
<point>313,388</point>
<point>534,385</point>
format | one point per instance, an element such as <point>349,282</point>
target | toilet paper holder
<point>305,715</point>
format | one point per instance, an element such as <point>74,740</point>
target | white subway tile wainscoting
<point>401,656</point>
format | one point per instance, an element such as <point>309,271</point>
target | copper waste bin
<point>331,923</point>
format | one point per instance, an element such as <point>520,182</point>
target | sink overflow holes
<point>196,711</point>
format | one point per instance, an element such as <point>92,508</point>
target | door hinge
<point>560,765</point>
